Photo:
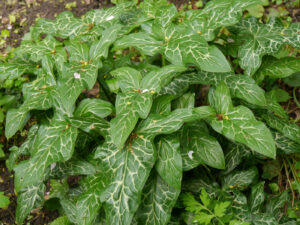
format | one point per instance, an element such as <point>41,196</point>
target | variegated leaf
<point>259,40</point>
<point>158,199</point>
<point>54,143</point>
<point>29,198</point>
<point>239,124</point>
<point>169,160</point>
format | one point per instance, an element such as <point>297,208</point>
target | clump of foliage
<point>118,157</point>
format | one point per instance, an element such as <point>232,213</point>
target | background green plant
<point>147,121</point>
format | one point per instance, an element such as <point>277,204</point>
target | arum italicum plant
<point>131,145</point>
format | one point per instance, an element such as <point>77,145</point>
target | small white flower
<point>190,154</point>
<point>145,91</point>
<point>109,18</point>
<point>53,165</point>
<point>9,27</point>
<point>230,40</point>
<point>77,75</point>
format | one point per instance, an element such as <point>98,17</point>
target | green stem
<point>163,60</point>
<point>295,97</point>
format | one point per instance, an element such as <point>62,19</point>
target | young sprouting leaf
<point>29,198</point>
<point>217,14</point>
<point>257,196</point>
<point>158,199</point>
<point>63,220</point>
<point>4,201</point>
<point>285,127</point>
<point>277,68</point>
<point>169,160</point>
<point>259,40</point>
<point>54,143</point>
<point>240,179</point>
<point>239,124</point>
<point>191,203</point>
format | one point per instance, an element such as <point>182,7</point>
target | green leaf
<point>121,127</point>
<point>73,80</point>
<point>293,80</point>
<point>65,25</point>
<point>257,196</point>
<point>54,143</point>
<point>62,220</point>
<point>100,47</point>
<point>90,107</point>
<point>239,124</point>
<point>285,127</point>
<point>286,145</point>
<point>4,201</point>
<point>276,203</point>
<point>185,101</point>
<point>198,147</point>
<point>128,78</point>
<point>242,87</point>
<point>203,217</point>
<point>15,69</point>
<point>240,179</point>
<point>274,106</point>
<point>182,49</point>
<point>162,105</point>
<point>220,99</point>
<point>277,68</point>
<point>141,41</point>
<point>128,170</point>
<point>169,160</point>
<point>157,124</point>
<point>88,203</point>
<point>29,198</point>
<point>72,167</point>
<point>281,95</point>
<point>259,40</point>
<point>23,149</point>
<point>15,120</point>
<point>217,14</point>
<point>220,208</point>
<point>157,79</point>
<point>158,199</point>
<point>204,198</point>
